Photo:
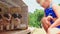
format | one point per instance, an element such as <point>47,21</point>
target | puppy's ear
<point>6,15</point>
<point>0,17</point>
<point>19,16</point>
<point>14,15</point>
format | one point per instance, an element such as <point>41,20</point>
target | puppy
<point>7,20</point>
<point>16,20</point>
<point>1,23</point>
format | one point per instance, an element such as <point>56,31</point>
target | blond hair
<point>41,1</point>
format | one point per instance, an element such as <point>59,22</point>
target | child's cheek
<point>45,4</point>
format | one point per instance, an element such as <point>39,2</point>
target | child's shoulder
<point>54,6</point>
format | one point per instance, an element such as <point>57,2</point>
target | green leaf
<point>35,18</point>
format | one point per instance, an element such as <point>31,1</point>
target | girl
<point>52,16</point>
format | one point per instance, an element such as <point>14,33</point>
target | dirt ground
<point>33,31</point>
<point>39,31</point>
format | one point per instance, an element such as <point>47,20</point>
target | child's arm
<point>55,24</point>
<point>46,22</point>
<point>56,9</point>
<point>57,12</point>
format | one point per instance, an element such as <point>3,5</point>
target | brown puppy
<point>7,20</point>
<point>1,23</point>
<point>16,20</point>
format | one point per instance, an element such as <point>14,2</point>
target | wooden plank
<point>16,32</point>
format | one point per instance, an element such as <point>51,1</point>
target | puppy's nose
<point>0,10</point>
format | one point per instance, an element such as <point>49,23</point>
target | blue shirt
<point>50,11</point>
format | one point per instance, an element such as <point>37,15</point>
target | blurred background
<point>36,12</point>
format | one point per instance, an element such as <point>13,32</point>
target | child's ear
<point>38,1</point>
<point>50,0</point>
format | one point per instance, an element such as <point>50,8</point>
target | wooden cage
<point>10,8</point>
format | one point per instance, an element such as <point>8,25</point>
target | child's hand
<point>58,32</point>
<point>49,18</point>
